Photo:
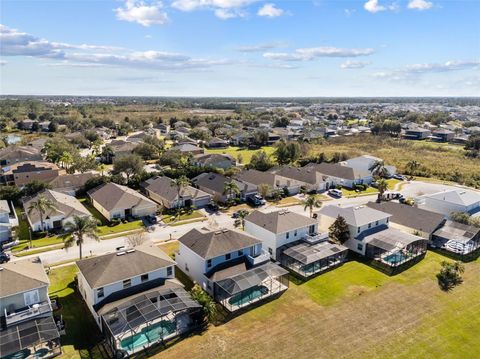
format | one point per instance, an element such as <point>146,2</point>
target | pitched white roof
<point>356,215</point>
<point>460,197</point>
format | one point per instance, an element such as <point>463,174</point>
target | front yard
<point>171,219</point>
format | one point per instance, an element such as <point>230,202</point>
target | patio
<point>251,286</point>
<point>457,238</point>
<point>307,260</point>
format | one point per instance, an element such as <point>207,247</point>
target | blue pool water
<point>248,295</point>
<point>22,354</point>
<point>148,335</point>
<point>395,258</point>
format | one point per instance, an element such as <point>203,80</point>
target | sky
<point>300,48</point>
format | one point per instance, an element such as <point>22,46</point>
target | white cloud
<point>15,43</point>
<point>270,10</point>
<point>373,6</point>
<point>223,9</point>
<point>308,54</point>
<point>226,14</point>
<point>349,12</point>
<point>420,5</point>
<point>354,64</point>
<point>3,62</point>
<point>261,47</point>
<point>142,13</point>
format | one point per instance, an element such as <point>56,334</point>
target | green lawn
<point>245,153</point>
<point>37,251</point>
<point>183,217</point>
<point>121,227</point>
<point>354,312</point>
<point>82,332</point>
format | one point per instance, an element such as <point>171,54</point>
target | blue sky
<point>240,47</point>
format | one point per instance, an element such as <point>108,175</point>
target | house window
<point>376,223</point>
<point>360,246</point>
<point>358,230</point>
<point>295,233</point>
<point>240,253</point>
<point>100,293</point>
<point>288,235</point>
<point>209,263</point>
<point>186,267</point>
<point>144,277</point>
<point>228,256</point>
<point>169,271</point>
<point>369,225</point>
<point>127,283</point>
<point>387,219</point>
<point>270,250</point>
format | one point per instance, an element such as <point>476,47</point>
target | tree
<point>382,186</point>
<point>287,152</point>
<point>260,161</point>
<point>147,151</point>
<point>460,217</point>
<point>473,145</point>
<point>411,167</point>
<point>41,205</point>
<point>128,165</point>
<point>34,187</point>
<point>10,193</point>
<point>180,183</point>
<point>264,189</point>
<point>55,148</point>
<point>66,160</point>
<point>206,301</point>
<point>450,275</point>
<point>231,188</point>
<point>312,202</point>
<point>107,154</point>
<point>378,169</point>
<point>339,231</point>
<point>240,220</point>
<point>80,228</point>
<point>102,168</point>
<point>136,239</point>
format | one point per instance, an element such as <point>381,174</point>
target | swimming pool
<point>395,258</point>
<point>148,335</point>
<point>248,295</point>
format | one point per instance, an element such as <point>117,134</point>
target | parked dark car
<point>213,207</point>
<point>4,257</point>
<point>256,200</point>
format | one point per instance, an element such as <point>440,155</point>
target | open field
<point>444,162</point>
<point>245,153</point>
<point>353,312</point>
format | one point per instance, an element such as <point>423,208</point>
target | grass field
<point>183,217</point>
<point>245,153</point>
<point>354,312</point>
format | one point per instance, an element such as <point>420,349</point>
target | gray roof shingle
<point>279,221</point>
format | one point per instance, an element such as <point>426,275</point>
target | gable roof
<point>212,158</point>
<point>216,182</point>
<point>337,170</point>
<point>65,205</point>
<point>163,186</point>
<point>456,196</point>
<point>257,177</point>
<point>186,147</point>
<point>20,153</point>
<point>408,216</point>
<point>111,268</point>
<point>72,180</point>
<point>22,276</point>
<point>211,244</point>
<point>356,215</point>
<point>279,221</point>
<point>302,174</point>
<point>29,166</point>
<point>111,196</point>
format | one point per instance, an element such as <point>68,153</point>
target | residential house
<point>215,160</point>
<point>163,191</point>
<point>120,148</point>
<point>8,219</point>
<point>71,183</point>
<point>216,142</point>
<point>457,238</point>
<point>371,236</point>
<point>294,241</point>
<point>231,266</point>
<point>115,201</point>
<point>65,208</point>
<point>15,154</point>
<point>364,164</point>
<point>188,149</point>
<point>28,327</point>
<point>21,173</point>
<point>214,184</point>
<point>411,219</point>
<point>135,299</point>
<point>338,175</point>
<point>417,134</point>
<point>446,202</point>
<point>442,135</point>
<point>294,178</point>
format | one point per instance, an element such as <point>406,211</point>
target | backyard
<point>246,154</point>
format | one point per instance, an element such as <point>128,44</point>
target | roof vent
<point>131,250</point>
<point>121,253</point>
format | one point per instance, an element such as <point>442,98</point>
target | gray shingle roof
<point>22,276</point>
<point>163,187</point>
<point>211,244</point>
<point>461,197</point>
<point>279,221</point>
<point>411,217</point>
<point>356,215</point>
<point>216,182</point>
<point>257,177</point>
<point>110,268</point>
<point>302,174</point>
<point>339,171</point>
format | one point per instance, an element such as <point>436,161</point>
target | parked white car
<point>335,192</point>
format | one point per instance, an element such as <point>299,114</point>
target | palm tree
<point>378,169</point>
<point>102,168</point>
<point>180,183</point>
<point>312,202</point>
<point>240,220</point>
<point>41,205</point>
<point>80,228</point>
<point>382,186</point>
<point>412,167</point>
<point>231,188</point>
<point>66,160</point>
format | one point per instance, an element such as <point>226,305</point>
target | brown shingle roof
<point>111,268</point>
<point>163,187</point>
<point>22,276</point>
<point>211,244</point>
<point>279,221</point>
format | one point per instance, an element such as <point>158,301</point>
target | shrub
<point>450,275</point>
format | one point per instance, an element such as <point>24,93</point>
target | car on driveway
<point>335,192</point>
<point>398,177</point>
<point>256,200</point>
<point>4,257</point>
